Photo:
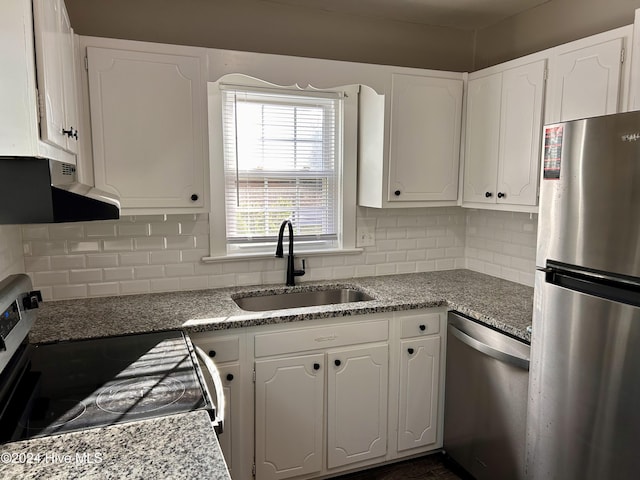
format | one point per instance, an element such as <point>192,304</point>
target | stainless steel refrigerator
<point>584,393</point>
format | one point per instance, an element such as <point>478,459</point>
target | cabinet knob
<point>316,366</point>
<point>229,377</point>
<point>212,353</point>
<point>410,350</point>
<point>397,193</point>
<point>194,197</point>
<point>423,328</point>
<point>338,363</point>
<point>501,195</point>
<point>488,194</point>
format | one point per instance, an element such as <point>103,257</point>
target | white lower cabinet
<point>418,394</point>
<point>319,398</point>
<point>289,416</point>
<point>357,404</point>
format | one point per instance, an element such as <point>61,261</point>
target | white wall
<point>162,253</point>
<point>11,257</point>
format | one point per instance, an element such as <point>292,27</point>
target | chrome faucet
<point>292,273</point>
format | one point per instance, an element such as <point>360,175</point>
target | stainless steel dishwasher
<point>485,400</point>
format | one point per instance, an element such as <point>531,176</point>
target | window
<point>281,154</point>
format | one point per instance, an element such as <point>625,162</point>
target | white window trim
<point>217,215</point>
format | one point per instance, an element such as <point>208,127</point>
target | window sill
<point>238,257</point>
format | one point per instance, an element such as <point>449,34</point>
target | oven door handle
<point>218,422</point>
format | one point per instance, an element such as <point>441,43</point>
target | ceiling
<point>462,14</point>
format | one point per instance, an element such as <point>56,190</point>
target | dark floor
<point>434,466</point>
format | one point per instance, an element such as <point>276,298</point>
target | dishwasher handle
<point>515,360</point>
<point>218,422</point>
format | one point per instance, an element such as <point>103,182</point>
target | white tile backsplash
<point>502,244</point>
<point>12,250</point>
<point>156,253</point>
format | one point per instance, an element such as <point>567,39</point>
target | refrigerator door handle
<point>490,351</point>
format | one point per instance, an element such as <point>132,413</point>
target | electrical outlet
<point>365,238</point>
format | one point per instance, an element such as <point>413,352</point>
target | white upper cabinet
<point>425,138</point>
<point>409,142</point>
<point>56,74</point>
<point>37,109</point>
<point>585,81</point>
<point>504,120</point>
<point>148,128</point>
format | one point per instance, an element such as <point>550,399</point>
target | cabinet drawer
<point>225,349</point>
<point>418,325</point>
<point>315,338</point>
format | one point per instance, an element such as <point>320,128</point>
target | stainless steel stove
<point>68,386</point>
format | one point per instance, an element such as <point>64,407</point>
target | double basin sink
<point>282,301</point>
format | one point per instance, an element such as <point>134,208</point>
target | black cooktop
<point>97,382</point>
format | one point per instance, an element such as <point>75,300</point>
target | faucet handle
<point>299,273</point>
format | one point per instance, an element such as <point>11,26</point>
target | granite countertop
<point>500,303</point>
<point>184,446</point>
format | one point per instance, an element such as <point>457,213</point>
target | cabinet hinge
<point>622,56</point>
<point>254,376</point>
<point>86,63</point>
<point>253,470</point>
<point>545,76</point>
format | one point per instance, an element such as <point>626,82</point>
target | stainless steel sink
<point>280,301</point>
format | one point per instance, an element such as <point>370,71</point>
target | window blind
<point>281,161</point>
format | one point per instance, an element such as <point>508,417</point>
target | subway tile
<point>365,270</point>
<point>148,271</point>
<point>165,228</point>
<point>396,233</point>
<point>406,267</point>
<point>235,267</point>
<point>407,244</point>
<point>85,276</point>
<point>344,272</point>
<point>50,278</point>
<point>333,261</point>
<point>149,243</point>
<point>445,264</point>
<point>47,293</point>
<point>165,257</point>
<point>386,245</point>
<point>178,270</point>
<point>414,255</point>
<point>164,284</point>
<point>63,292</point>
<point>118,273</point>
<point>194,228</point>
<point>103,289</point>
<point>202,241</point>
<point>37,264</point>
<point>117,245</point>
<point>247,279</point>
<point>66,232</point>
<point>385,269</point>
<point>100,230</point>
<point>102,260</point>
<point>394,257</point>
<point>454,252</point>
<point>67,262</point>
<point>375,258</point>
<point>133,258</point>
<point>434,253</point>
<point>148,218</point>
<point>41,248</point>
<point>193,256</point>
<point>88,246</point>
<point>224,280</point>
<point>180,242</point>
<point>135,286</point>
<point>35,232</point>
<point>198,283</point>
<point>133,229</point>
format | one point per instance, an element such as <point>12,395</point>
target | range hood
<point>36,190</point>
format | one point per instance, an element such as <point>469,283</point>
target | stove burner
<point>59,413</point>
<point>140,395</point>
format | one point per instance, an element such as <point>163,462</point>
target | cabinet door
<point>586,82</point>
<point>289,416</point>
<point>425,138</point>
<point>67,58</point>
<point>148,127</point>
<point>419,377</point>
<point>50,41</point>
<point>357,381</point>
<point>230,375</point>
<point>521,124</point>
<point>482,139</point>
